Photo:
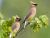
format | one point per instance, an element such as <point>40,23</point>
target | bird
<point>15,27</point>
<point>31,14</point>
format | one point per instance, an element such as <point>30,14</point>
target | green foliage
<point>39,23</point>
<point>5,25</point>
<point>44,20</point>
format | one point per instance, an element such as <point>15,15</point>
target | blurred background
<point>10,8</point>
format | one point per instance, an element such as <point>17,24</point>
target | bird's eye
<point>35,4</point>
<point>19,19</point>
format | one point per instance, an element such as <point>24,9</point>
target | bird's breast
<point>16,26</point>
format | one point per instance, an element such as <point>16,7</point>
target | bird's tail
<point>25,24</point>
<point>10,36</point>
<point>24,21</point>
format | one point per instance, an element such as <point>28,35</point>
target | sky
<point>0,3</point>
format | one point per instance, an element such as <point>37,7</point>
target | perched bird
<point>15,27</point>
<point>31,14</point>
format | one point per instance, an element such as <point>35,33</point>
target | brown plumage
<point>31,13</point>
<point>15,27</point>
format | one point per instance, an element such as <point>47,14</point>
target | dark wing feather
<point>27,16</point>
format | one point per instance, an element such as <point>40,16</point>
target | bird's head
<point>33,4</point>
<point>18,18</point>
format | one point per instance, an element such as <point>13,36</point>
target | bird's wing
<point>27,16</point>
<point>14,27</point>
